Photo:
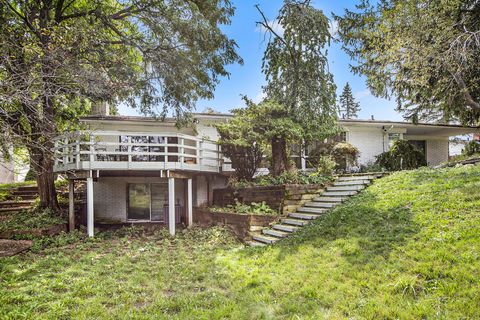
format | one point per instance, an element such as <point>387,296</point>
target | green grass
<point>406,248</point>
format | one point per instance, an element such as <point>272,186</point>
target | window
<point>392,137</point>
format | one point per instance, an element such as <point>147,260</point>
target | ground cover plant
<point>29,219</point>
<point>258,208</point>
<point>405,248</point>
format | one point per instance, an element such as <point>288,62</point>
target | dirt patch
<point>12,247</point>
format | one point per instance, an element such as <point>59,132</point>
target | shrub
<point>326,165</point>
<point>345,154</point>
<point>471,148</point>
<point>402,156</point>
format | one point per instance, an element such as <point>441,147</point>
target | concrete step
<point>275,233</point>
<point>356,177</point>
<point>326,205</point>
<point>339,193</point>
<point>14,209</point>
<point>346,188</point>
<point>295,222</point>
<point>330,199</point>
<point>303,216</point>
<point>255,244</point>
<point>285,228</point>
<point>312,210</point>
<point>27,188</point>
<point>351,182</point>
<point>264,239</point>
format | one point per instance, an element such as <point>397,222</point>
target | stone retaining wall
<point>283,198</point>
<point>240,224</point>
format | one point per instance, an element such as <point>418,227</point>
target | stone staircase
<point>21,198</point>
<point>342,188</point>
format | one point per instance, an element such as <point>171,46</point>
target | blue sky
<point>248,79</point>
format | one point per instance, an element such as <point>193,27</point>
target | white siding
<point>369,141</point>
<point>7,174</point>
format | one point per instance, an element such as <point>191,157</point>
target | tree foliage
<point>57,56</point>
<point>348,107</point>
<point>299,84</point>
<point>424,53</point>
<point>402,156</point>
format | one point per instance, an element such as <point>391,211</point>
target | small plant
<point>345,155</point>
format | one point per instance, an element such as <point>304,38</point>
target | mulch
<point>12,247</point>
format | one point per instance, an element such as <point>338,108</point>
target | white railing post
<point>55,152</point>
<point>200,152</point>
<point>182,152</point>
<point>65,151</point>
<point>77,151</point>
<point>129,150</point>
<point>91,156</point>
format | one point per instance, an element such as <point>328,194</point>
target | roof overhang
<point>408,128</point>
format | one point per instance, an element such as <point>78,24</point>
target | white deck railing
<point>109,150</point>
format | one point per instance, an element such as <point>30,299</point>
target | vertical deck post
<point>303,159</point>
<point>90,204</point>
<point>71,205</point>
<point>171,205</point>
<point>189,203</point>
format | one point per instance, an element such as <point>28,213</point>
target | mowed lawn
<point>406,248</point>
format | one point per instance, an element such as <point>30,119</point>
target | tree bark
<point>279,155</point>
<point>42,162</point>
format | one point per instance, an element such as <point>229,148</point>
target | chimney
<point>373,118</point>
<point>100,108</point>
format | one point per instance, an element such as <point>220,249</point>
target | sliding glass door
<point>138,201</point>
<point>147,201</point>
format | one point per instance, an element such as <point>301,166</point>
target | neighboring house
<point>6,170</point>
<point>139,169</point>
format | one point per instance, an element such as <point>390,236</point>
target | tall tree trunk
<point>42,162</point>
<point>279,155</point>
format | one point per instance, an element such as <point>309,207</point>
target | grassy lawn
<point>406,248</point>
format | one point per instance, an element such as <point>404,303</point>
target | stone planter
<point>240,224</point>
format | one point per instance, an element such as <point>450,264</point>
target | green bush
<point>471,148</point>
<point>325,165</point>
<point>402,156</point>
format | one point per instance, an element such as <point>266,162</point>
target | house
<point>138,169</point>
<point>6,170</point>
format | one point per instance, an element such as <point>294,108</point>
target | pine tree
<point>348,107</point>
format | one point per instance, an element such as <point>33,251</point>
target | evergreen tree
<point>348,107</point>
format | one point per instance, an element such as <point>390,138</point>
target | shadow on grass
<point>360,231</point>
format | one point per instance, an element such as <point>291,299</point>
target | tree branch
<point>468,98</point>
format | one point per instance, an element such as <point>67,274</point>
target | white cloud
<point>333,28</point>
<point>274,24</point>
<point>259,97</point>
<point>362,94</point>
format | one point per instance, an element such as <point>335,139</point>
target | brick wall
<point>437,151</point>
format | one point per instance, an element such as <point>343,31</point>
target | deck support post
<point>171,205</point>
<point>71,205</point>
<point>189,203</point>
<point>90,204</point>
